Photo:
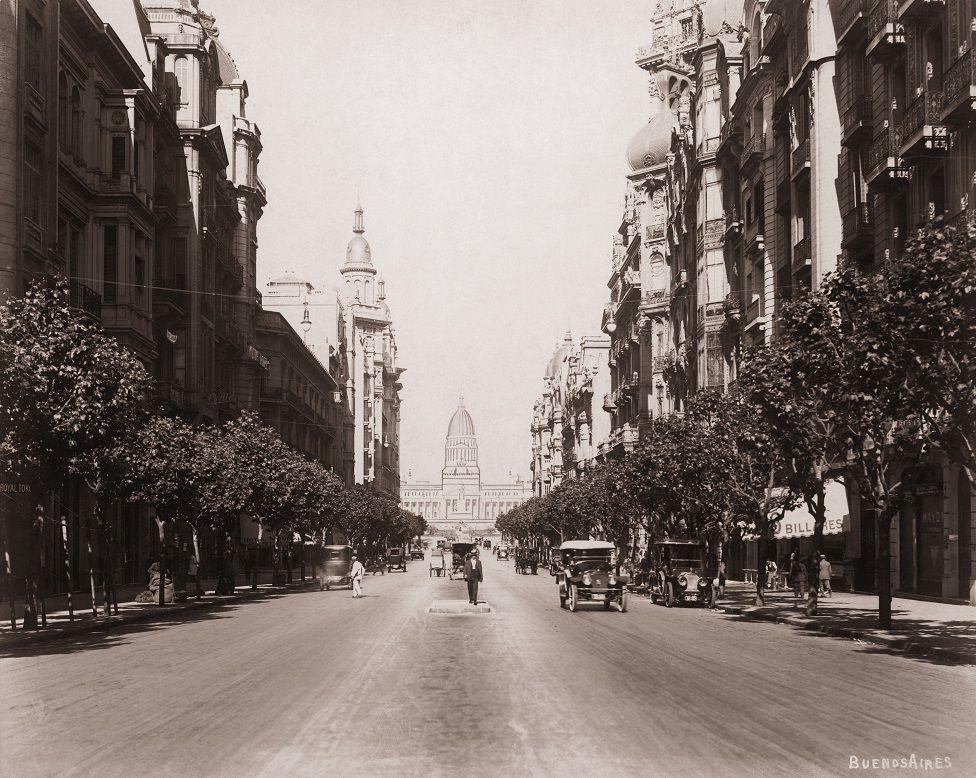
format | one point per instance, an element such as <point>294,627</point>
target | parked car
<point>416,552</point>
<point>502,552</point>
<point>587,573</point>
<point>333,567</point>
<point>680,574</point>
<point>396,558</point>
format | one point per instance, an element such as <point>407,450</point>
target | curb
<point>906,645</point>
<point>22,638</point>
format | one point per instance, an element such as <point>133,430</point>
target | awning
<point>798,523</point>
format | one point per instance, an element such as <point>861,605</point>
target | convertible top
<point>587,545</point>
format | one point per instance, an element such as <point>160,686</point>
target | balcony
<point>857,122</point>
<point>754,150</point>
<point>171,294</point>
<point>708,147</point>
<point>802,254</point>
<point>959,90</point>
<point>884,169</point>
<point>655,298</point>
<point>171,393</point>
<point>608,403</point>
<point>799,53</point>
<point>856,228</point>
<point>755,242</point>
<point>852,21</point>
<point>920,9</point>
<point>733,225</point>
<point>733,306</point>
<point>886,35</point>
<point>754,309</point>
<point>730,137</point>
<point>84,300</point>
<point>920,132</point>
<point>800,159</point>
<point>631,280</point>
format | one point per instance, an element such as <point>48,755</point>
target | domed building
<point>374,375</point>
<point>461,503</point>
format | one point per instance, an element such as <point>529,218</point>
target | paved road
<point>321,684</point>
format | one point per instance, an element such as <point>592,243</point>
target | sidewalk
<point>940,631</point>
<point>130,612</point>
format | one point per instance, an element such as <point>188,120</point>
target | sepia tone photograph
<point>487,387</point>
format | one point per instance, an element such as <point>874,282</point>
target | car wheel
<point>562,600</point>
<point>328,587</point>
<point>606,604</point>
<point>622,605</point>
<point>668,596</point>
<point>653,598</point>
<point>573,598</point>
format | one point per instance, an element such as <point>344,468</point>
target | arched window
<point>182,69</point>
<point>63,112</point>
<point>76,121</point>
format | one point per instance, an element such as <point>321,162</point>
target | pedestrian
<point>474,575</point>
<point>192,570</point>
<point>356,574</point>
<point>799,578</point>
<point>825,573</point>
<point>771,571</point>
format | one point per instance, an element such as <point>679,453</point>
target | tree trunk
<point>30,580</point>
<point>161,525</point>
<point>302,557</point>
<point>91,566</point>
<point>67,566</point>
<point>196,553</point>
<point>762,553</point>
<point>819,511</point>
<point>100,540</point>
<point>41,565</point>
<point>884,568</point>
<point>9,579</point>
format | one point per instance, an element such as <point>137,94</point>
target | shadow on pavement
<point>107,634</point>
<point>861,625</point>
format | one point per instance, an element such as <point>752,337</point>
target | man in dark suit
<point>474,575</point>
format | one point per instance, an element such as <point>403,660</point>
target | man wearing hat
<point>474,575</point>
<point>356,573</point>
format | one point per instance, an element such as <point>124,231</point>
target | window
<point>32,183</point>
<point>110,253</point>
<point>182,68</point>
<point>64,114</point>
<point>75,144</point>
<point>32,52</point>
<point>686,28</point>
<point>118,156</point>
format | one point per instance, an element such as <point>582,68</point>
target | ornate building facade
<point>373,387</point>
<point>568,424</point>
<point>462,502</point>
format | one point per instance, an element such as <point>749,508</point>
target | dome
<point>559,358</point>
<point>650,146</point>
<point>358,251</point>
<point>721,17</point>
<point>462,425</point>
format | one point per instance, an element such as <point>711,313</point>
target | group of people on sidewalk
<point>804,575</point>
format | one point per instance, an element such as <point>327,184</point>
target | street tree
<point>67,392</point>
<point>928,312</point>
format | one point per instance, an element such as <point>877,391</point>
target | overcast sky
<point>487,140</point>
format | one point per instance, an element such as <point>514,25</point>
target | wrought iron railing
<point>83,299</point>
<point>959,80</point>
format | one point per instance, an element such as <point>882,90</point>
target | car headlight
<point>702,583</point>
<point>587,580</point>
<point>612,580</point>
<point>683,580</point>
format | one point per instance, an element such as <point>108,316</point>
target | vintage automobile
<point>333,567</point>
<point>459,552</point>
<point>396,558</point>
<point>416,552</point>
<point>502,552</point>
<point>679,574</point>
<point>588,573</point>
<point>526,561</point>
